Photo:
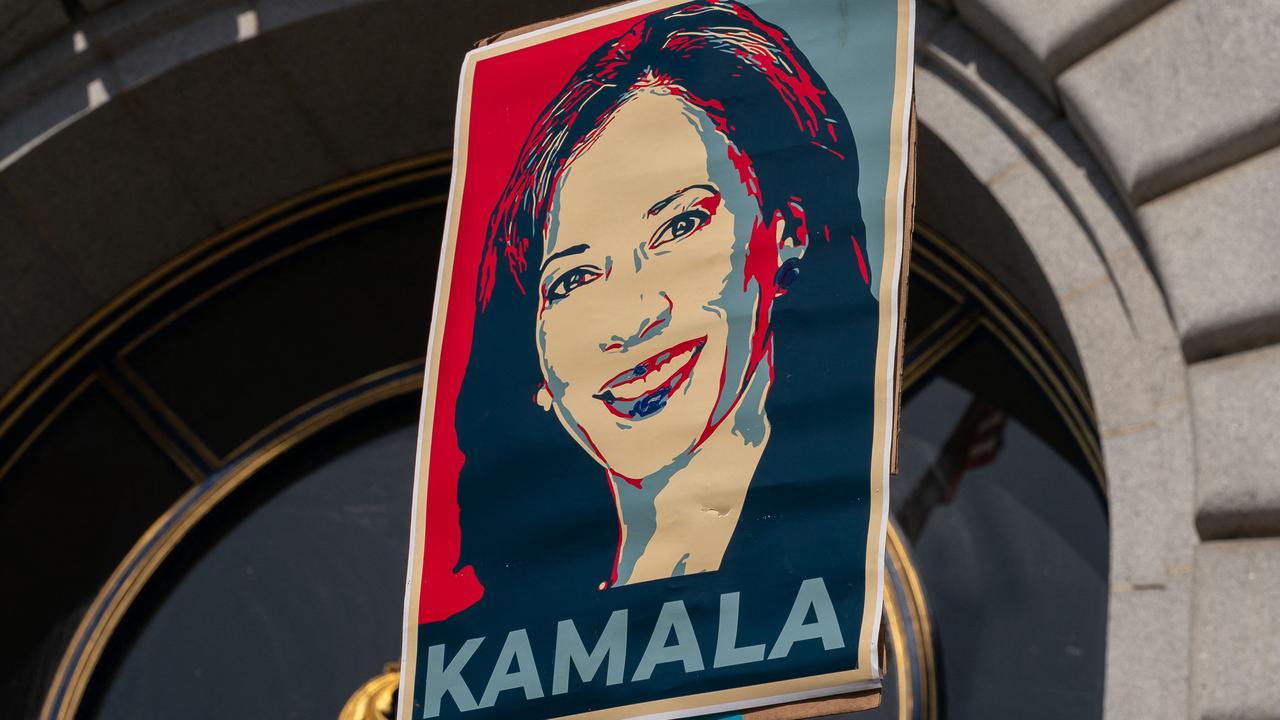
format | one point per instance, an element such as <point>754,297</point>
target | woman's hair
<point>552,512</point>
<point>789,136</point>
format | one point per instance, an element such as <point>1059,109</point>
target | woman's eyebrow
<point>664,202</point>
<point>572,250</point>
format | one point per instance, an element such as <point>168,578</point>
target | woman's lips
<point>643,389</point>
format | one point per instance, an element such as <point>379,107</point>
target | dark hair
<point>745,74</point>
<point>765,98</point>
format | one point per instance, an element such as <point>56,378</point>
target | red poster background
<point>508,91</point>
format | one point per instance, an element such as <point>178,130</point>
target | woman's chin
<point>636,474</point>
<point>641,455</point>
<point>639,448</point>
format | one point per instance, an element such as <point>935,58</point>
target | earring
<point>787,274</point>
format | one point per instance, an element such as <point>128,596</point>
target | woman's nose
<point>653,313</point>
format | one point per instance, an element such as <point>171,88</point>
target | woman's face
<point>656,281</point>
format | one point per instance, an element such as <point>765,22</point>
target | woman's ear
<point>791,232</point>
<point>543,397</point>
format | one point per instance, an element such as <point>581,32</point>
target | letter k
<point>442,679</point>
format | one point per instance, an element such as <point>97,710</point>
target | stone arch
<point>126,129</point>
<point>1028,200</point>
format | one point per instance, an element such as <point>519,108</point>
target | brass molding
<point>298,246</point>
<point>44,423</point>
<point>134,409</point>
<point>1020,334</point>
<point>915,611</point>
<point>115,598</point>
<point>910,630</point>
<point>218,476</point>
<point>105,322</point>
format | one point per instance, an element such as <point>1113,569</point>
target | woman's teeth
<point>653,379</point>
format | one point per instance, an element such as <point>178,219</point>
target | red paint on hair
<point>505,102</point>
<point>862,262</point>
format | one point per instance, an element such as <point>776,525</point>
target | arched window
<point>230,449</point>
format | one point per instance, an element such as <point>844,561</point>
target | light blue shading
<point>853,46</point>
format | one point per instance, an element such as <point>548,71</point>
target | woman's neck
<point>680,520</point>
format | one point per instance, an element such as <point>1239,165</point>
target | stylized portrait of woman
<point>676,213</point>
<point>675,334</point>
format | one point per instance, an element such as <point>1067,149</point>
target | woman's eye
<point>569,281</point>
<point>682,225</point>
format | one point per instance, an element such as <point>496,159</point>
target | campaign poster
<point>659,391</point>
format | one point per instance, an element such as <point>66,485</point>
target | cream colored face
<point>652,314</point>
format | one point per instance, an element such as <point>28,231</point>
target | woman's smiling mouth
<point>641,391</point>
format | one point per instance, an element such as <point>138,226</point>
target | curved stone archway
<point>130,130</point>
<point>1067,226</point>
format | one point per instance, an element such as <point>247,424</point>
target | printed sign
<point>660,380</point>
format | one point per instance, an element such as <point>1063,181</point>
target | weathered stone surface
<point>1073,223</point>
<point>988,235</point>
<point>104,202</point>
<point>1235,646</point>
<point>1044,37</point>
<point>936,97</point>
<point>234,101</point>
<point>369,115</point>
<point>40,298</point>
<point>96,5</point>
<point>25,24</point>
<point>1148,634</point>
<point>1191,90</point>
<point>1213,246</point>
<point>1236,405</point>
<point>956,52</point>
<point>929,18</point>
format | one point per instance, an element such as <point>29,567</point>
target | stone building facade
<point>1113,163</point>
